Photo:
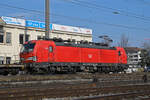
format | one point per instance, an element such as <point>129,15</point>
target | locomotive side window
<point>119,53</point>
<point>50,49</point>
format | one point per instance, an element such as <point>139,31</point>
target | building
<point>13,33</point>
<point>134,58</point>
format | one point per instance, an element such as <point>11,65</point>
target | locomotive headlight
<point>32,58</point>
<point>22,59</point>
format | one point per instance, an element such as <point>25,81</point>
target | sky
<point>105,17</point>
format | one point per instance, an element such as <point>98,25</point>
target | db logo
<point>90,55</point>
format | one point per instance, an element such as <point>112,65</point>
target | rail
<point>49,92</point>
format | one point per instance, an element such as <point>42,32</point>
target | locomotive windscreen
<point>28,47</point>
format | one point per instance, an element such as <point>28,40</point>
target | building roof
<point>2,22</point>
<point>132,49</point>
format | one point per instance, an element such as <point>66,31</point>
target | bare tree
<point>124,41</point>
<point>146,45</point>
<point>145,54</point>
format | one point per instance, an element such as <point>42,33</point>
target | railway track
<point>145,95</point>
<point>70,83</point>
<point>60,92</point>
<point>101,77</point>
<point>39,87</point>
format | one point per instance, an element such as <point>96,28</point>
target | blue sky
<point>104,17</point>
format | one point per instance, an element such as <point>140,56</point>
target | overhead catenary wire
<point>104,23</point>
<point>109,9</point>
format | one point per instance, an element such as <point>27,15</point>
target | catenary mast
<point>47,18</point>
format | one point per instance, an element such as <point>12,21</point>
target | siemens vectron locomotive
<point>51,56</point>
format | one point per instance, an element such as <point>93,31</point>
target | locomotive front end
<point>27,53</point>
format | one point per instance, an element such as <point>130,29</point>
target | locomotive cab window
<point>119,53</point>
<point>28,47</point>
<point>50,49</point>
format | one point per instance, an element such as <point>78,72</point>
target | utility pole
<point>47,18</point>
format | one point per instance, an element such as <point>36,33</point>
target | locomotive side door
<point>51,53</point>
<point>119,57</point>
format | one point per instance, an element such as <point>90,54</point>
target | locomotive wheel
<point>14,72</point>
<point>99,69</point>
<point>5,73</point>
<point>73,70</point>
<point>31,71</point>
<point>52,70</point>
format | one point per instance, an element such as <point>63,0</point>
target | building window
<point>1,28</point>
<point>1,60</point>
<point>1,37</point>
<point>39,37</point>
<point>27,38</point>
<point>136,56</point>
<point>8,60</point>
<point>8,37</point>
<point>21,38</point>
<point>1,34</point>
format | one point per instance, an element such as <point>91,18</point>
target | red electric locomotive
<point>51,56</point>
